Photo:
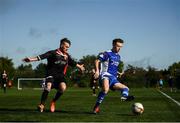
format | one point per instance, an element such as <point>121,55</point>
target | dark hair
<point>117,40</point>
<point>65,40</point>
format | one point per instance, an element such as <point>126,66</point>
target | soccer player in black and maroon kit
<point>4,80</point>
<point>57,63</point>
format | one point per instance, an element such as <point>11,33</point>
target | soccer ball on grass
<point>137,108</point>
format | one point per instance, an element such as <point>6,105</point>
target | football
<point>137,108</point>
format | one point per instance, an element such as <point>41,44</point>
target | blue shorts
<point>112,80</point>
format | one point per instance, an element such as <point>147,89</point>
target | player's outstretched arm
<point>120,73</point>
<point>30,59</point>
<point>81,67</point>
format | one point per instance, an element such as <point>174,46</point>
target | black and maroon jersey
<point>57,62</point>
<point>4,78</point>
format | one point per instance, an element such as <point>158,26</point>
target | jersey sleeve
<point>71,61</point>
<point>103,56</point>
<point>45,55</point>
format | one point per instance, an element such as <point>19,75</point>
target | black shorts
<point>4,81</point>
<point>55,81</point>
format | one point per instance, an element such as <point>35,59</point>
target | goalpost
<point>30,83</point>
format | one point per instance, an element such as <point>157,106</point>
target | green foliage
<point>40,70</point>
<point>24,71</point>
<point>174,70</point>
<point>133,76</point>
<point>88,62</point>
<point>83,79</point>
<point>121,67</point>
<point>152,77</point>
<point>7,64</point>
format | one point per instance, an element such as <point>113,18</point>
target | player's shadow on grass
<point>18,110</point>
<point>88,112</point>
<point>71,112</point>
<point>30,111</point>
<point>132,115</point>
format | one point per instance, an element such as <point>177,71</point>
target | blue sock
<point>100,98</point>
<point>125,92</point>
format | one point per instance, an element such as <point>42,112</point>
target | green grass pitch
<point>76,106</point>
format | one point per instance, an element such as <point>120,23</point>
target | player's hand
<point>96,75</point>
<point>26,59</point>
<point>81,67</point>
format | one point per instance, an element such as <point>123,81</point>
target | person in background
<point>4,80</point>
<point>160,83</point>
<point>94,83</point>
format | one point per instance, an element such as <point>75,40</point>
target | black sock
<point>4,90</point>
<point>94,91</point>
<point>44,96</point>
<point>57,96</point>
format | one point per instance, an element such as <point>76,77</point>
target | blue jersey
<point>109,63</point>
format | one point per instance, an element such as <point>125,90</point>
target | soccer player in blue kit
<point>109,62</point>
<point>57,62</point>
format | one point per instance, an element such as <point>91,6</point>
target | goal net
<point>31,83</point>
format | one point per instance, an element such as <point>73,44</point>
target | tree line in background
<point>133,76</point>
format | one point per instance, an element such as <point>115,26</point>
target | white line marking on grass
<point>178,103</point>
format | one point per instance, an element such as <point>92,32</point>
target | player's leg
<point>44,96</point>
<point>96,86</point>
<point>59,93</point>
<point>101,95</point>
<point>47,89</point>
<point>62,88</point>
<point>93,91</point>
<point>4,87</point>
<point>92,87</point>
<point>124,90</point>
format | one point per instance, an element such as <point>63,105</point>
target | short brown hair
<point>117,40</point>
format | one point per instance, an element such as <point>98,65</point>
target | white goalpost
<point>30,83</point>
